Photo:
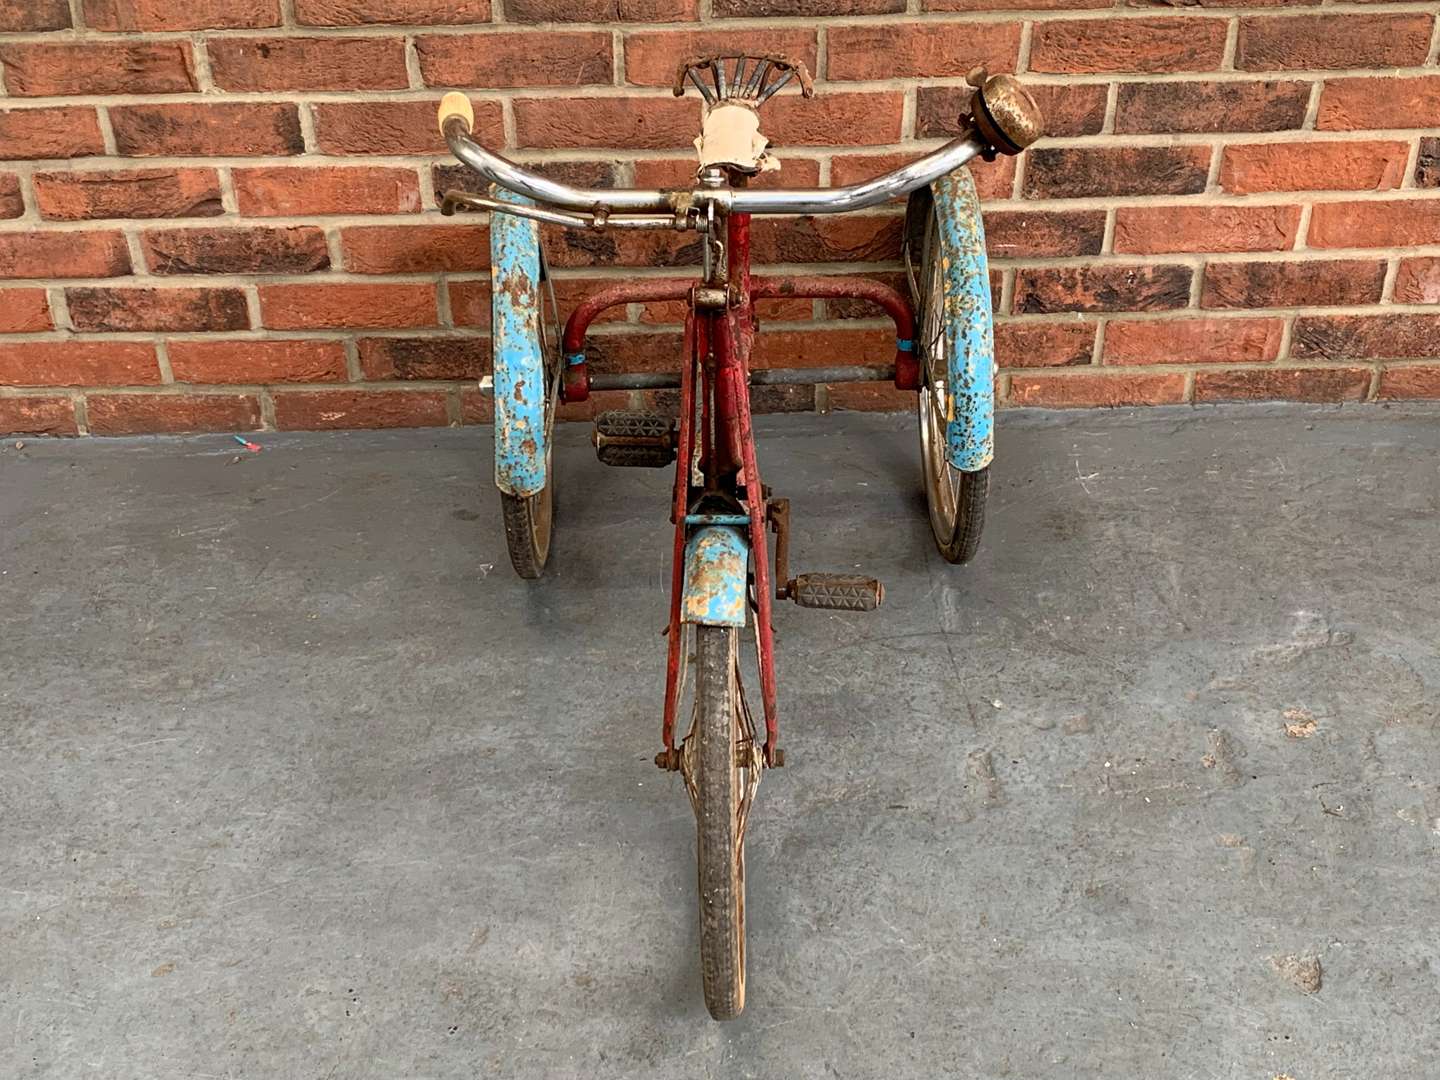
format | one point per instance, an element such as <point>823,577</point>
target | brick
<point>395,127</point>
<point>78,363</point>
<point>1068,110</point>
<point>1204,107</point>
<point>1043,344</point>
<point>680,172</point>
<point>37,416</point>
<point>621,123</point>
<point>1399,384</point>
<point>1094,389</point>
<point>285,191</point>
<point>750,9</point>
<point>407,249</point>
<point>1318,166</point>
<point>653,11</point>
<point>1382,223</point>
<point>1159,229</point>
<point>576,173</point>
<point>133,310</point>
<point>130,193</point>
<point>39,69</point>
<point>869,397</point>
<point>1124,45</point>
<point>479,408</point>
<point>1308,283</point>
<point>147,15</point>
<point>405,12</point>
<point>64,254</point>
<point>1283,384</point>
<point>1014,5</point>
<point>822,346</point>
<point>221,249</point>
<point>12,202</point>
<point>1192,341</point>
<point>64,132</point>
<point>839,238</point>
<point>1427,164</point>
<point>923,50</point>
<point>346,305</point>
<point>424,358</point>
<point>1289,43</point>
<point>301,63</point>
<point>33,16</point>
<point>233,129</point>
<point>247,361</point>
<point>1079,172</point>
<point>1356,104</point>
<point>1418,282</point>
<point>652,56</point>
<point>836,119</point>
<point>1365,337</point>
<point>1046,289</point>
<point>567,248</point>
<point>569,58</point>
<point>339,409</point>
<point>1014,234</point>
<point>24,311</point>
<point>138,414</point>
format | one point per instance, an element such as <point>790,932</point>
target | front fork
<point>717,342</point>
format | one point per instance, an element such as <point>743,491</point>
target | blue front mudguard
<point>969,325</point>
<point>521,457</point>
<point>717,564</point>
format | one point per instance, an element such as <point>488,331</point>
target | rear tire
<point>956,499</point>
<point>719,846</point>
<point>527,528</point>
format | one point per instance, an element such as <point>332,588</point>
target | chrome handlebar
<point>1004,120</point>
<point>602,202</point>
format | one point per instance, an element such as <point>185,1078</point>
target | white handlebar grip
<point>456,104</point>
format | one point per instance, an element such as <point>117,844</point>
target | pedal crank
<point>634,439</point>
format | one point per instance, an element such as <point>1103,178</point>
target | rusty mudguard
<point>969,325</point>
<point>521,458</point>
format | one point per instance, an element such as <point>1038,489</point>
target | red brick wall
<point>220,214</point>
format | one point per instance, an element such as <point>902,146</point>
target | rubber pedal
<point>634,439</point>
<point>837,592</point>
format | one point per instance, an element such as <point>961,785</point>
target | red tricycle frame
<point>715,379</point>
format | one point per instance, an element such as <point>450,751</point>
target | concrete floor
<point>299,781</point>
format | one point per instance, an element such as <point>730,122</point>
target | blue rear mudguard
<point>518,362</point>
<point>969,323</point>
<point>717,565</point>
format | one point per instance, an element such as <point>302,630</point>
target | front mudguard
<point>521,458</point>
<point>717,566</point>
<point>969,324</point>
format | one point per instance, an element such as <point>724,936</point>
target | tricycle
<point>723,578</point>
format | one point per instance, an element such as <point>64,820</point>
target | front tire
<point>720,847</point>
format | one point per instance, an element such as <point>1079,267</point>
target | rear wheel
<point>721,774</point>
<point>956,499</point>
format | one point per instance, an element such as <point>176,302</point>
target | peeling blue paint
<point>717,559</point>
<point>575,358</point>
<point>519,364</point>
<point>969,323</point>
<point>717,519</point>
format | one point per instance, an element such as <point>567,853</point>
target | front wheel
<point>719,788</point>
<point>956,499</point>
<point>527,529</point>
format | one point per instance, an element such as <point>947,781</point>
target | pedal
<point>634,439</point>
<point>837,592</point>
